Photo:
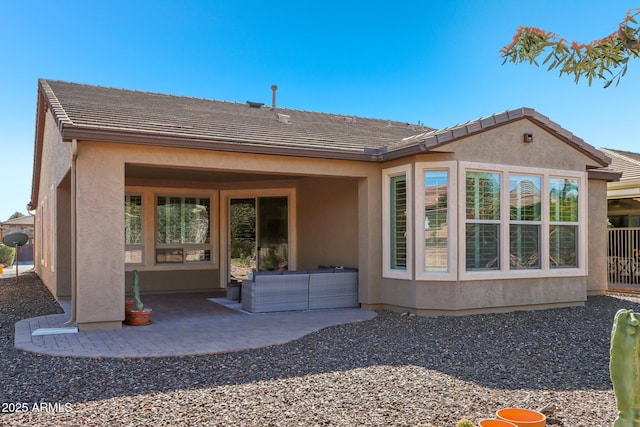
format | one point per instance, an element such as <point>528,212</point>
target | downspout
<point>74,287</point>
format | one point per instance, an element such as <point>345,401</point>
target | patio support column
<point>597,278</point>
<point>370,239</point>
<point>100,242</point>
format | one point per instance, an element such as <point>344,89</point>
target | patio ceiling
<point>136,174</point>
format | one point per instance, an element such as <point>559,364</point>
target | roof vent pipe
<point>274,88</point>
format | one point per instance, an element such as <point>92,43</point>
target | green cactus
<point>136,290</point>
<point>624,367</point>
<point>464,423</point>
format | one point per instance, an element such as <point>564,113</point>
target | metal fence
<point>623,257</point>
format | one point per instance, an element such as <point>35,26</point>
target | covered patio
<point>182,324</point>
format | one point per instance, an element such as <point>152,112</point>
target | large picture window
<point>520,220</point>
<point>183,229</point>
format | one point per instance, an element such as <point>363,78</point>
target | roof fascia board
<point>41,111</point>
<point>577,143</point>
<point>465,130</point>
<point>70,133</point>
<point>606,175</point>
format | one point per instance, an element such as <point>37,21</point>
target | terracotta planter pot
<point>522,417</point>
<point>496,423</point>
<point>128,305</point>
<point>139,317</point>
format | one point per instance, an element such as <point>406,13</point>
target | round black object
<point>15,239</point>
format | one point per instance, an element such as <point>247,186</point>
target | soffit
<point>176,175</point>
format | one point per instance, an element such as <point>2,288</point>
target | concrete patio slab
<point>182,324</point>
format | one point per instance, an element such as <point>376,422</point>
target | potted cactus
<point>138,315</point>
<point>464,423</point>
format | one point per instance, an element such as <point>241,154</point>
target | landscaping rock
<point>393,370</point>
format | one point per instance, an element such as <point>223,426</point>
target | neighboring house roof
<point>23,220</point>
<point>626,162</point>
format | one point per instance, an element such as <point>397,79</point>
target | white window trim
<point>505,272</point>
<point>387,271</point>
<point>452,221</point>
<point>186,246</point>
<point>149,199</point>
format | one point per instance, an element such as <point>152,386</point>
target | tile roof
<point>90,112</point>
<point>23,220</point>
<point>626,162</point>
<point>80,107</point>
<point>439,137</point>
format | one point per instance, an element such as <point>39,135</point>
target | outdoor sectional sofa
<point>271,291</point>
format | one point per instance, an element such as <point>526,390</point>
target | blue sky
<point>437,62</point>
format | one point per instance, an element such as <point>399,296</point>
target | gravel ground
<point>392,370</point>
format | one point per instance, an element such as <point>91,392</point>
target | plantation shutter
<point>398,227</point>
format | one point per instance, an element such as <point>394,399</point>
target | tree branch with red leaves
<point>605,59</point>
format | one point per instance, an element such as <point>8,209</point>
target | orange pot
<point>496,423</point>
<point>128,305</point>
<point>522,417</point>
<point>139,317</point>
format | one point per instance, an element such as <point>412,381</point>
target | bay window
<point>476,221</point>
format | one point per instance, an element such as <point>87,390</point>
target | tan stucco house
<point>502,213</point>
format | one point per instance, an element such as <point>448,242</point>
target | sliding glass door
<point>258,235</point>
